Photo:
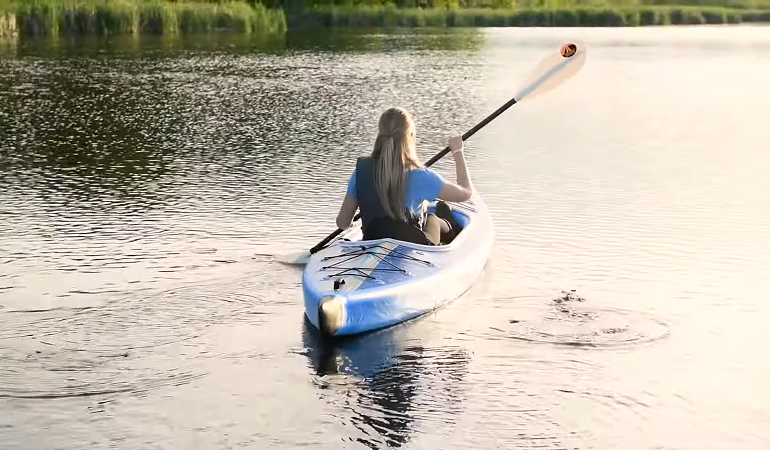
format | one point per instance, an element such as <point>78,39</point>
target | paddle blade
<point>295,259</point>
<point>553,70</point>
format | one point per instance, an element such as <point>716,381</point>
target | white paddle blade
<point>553,70</point>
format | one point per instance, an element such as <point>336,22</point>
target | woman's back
<point>390,185</point>
<point>422,184</point>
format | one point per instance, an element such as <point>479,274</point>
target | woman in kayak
<point>390,185</point>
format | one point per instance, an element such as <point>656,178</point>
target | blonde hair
<point>394,150</point>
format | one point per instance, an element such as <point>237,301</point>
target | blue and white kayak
<point>355,286</point>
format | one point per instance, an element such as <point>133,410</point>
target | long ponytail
<point>395,153</point>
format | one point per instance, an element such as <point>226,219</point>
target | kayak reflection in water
<point>390,187</point>
<point>405,383</point>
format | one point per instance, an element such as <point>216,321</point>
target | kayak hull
<point>355,286</point>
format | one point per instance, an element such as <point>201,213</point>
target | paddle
<point>553,70</point>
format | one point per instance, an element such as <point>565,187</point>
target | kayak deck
<point>355,286</point>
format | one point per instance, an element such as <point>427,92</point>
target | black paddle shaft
<point>430,162</point>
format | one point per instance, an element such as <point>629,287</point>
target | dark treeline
<point>358,17</point>
<point>509,4</point>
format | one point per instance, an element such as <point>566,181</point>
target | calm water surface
<point>148,187</point>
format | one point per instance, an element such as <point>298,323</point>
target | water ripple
<point>127,346</point>
<point>567,323</point>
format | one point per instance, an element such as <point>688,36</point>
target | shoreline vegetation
<point>163,17</point>
<point>569,16</point>
<point>120,17</point>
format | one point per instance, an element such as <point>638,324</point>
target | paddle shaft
<point>430,162</point>
<point>473,130</point>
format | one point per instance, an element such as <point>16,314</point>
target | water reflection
<point>71,129</point>
<point>388,381</point>
<point>336,41</point>
<point>387,40</point>
<point>83,125</point>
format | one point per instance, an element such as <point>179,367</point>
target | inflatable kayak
<point>355,286</point>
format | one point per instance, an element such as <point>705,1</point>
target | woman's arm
<point>349,205</point>
<point>463,189</point>
<point>347,212</point>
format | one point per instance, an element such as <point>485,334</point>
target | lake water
<point>149,187</point>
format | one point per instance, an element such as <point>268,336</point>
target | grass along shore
<point>111,17</point>
<point>570,16</point>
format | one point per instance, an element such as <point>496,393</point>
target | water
<point>148,184</point>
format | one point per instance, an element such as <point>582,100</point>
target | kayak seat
<point>462,219</point>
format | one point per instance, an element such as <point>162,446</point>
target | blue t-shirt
<point>421,184</point>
